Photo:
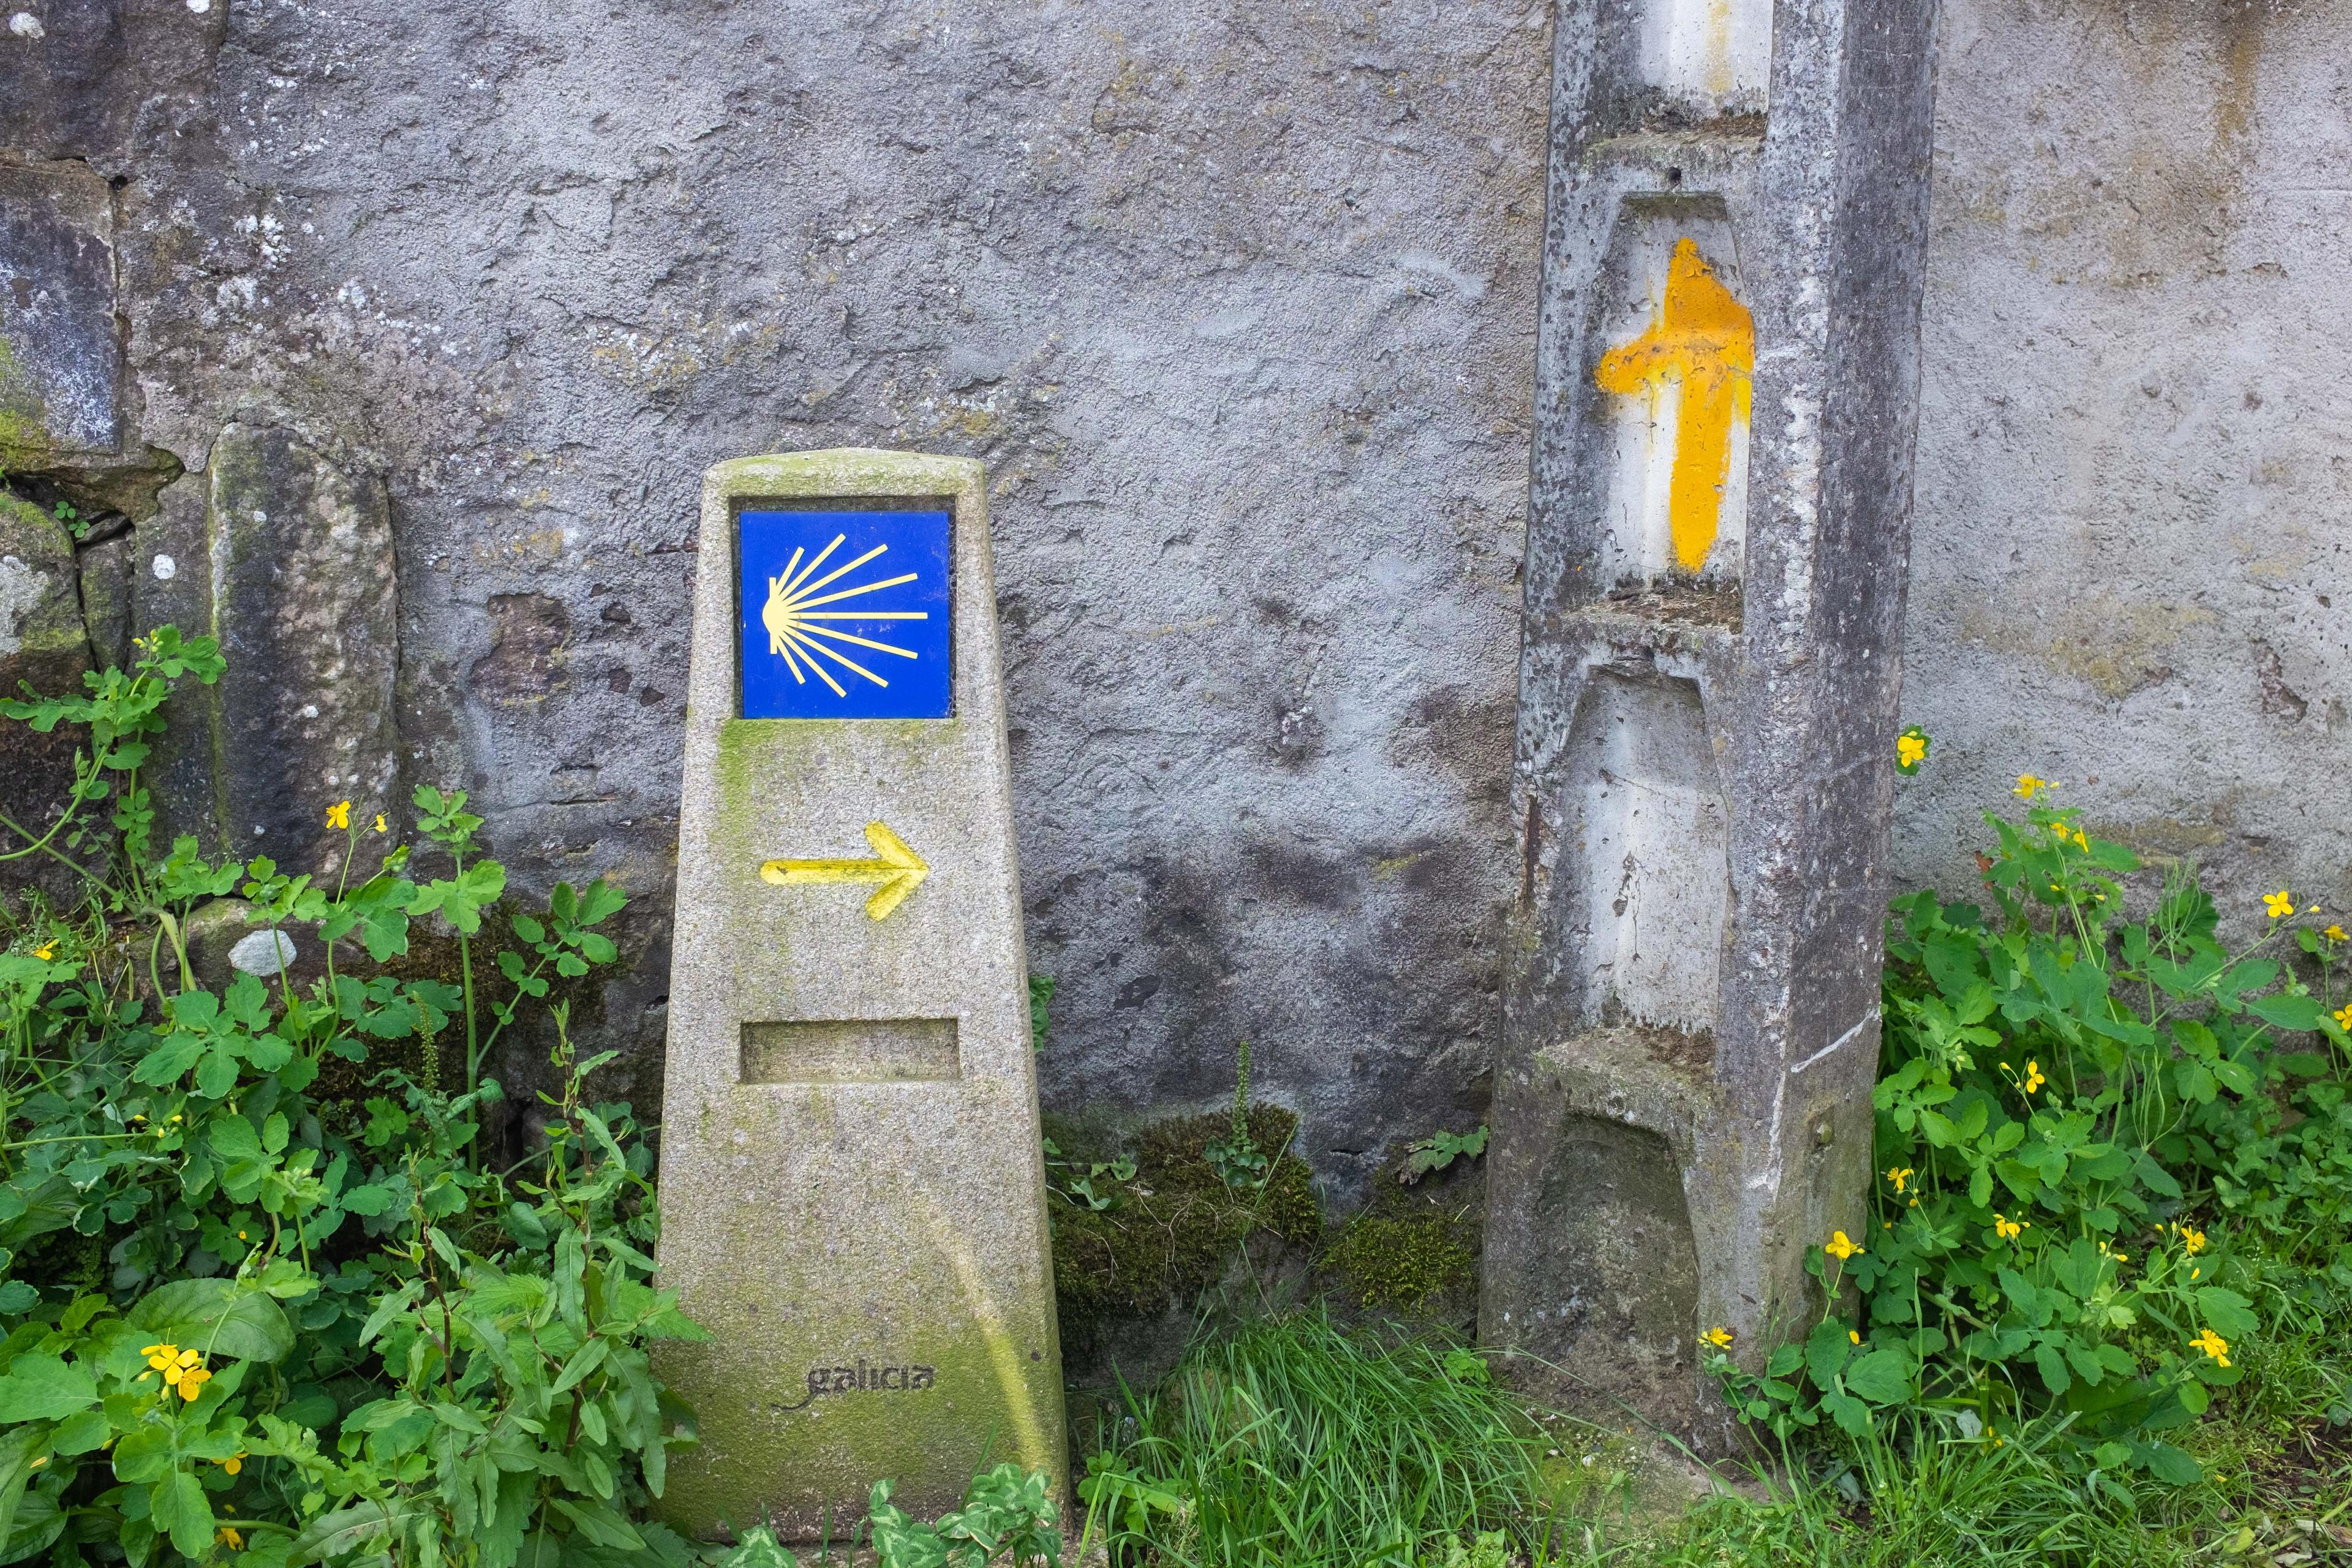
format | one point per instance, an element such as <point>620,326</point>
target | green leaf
<point>168,1060</point>
<point>2193,1397</point>
<point>82,1433</point>
<point>369,1200</point>
<point>178,1506</point>
<point>2053,1367</point>
<point>215,1317</point>
<point>2231,1314</point>
<point>1849,1413</point>
<point>1826,1349</point>
<point>600,1524</point>
<point>2286,1012</point>
<point>16,1447</point>
<point>1881,1376</point>
<point>1980,1187</point>
<point>2236,1077</point>
<point>500,1536</point>
<point>2169,1464</point>
<point>216,1074</point>
<point>2022,1295</point>
<point>334,1533</point>
<point>144,1455</point>
<point>584,1359</point>
<point>233,1137</point>
<point>1784,1360</point>
<point>44,1388</point>
<point>38,1522</point>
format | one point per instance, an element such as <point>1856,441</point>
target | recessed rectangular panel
<point>844,615</point>
<point>851,1050</point>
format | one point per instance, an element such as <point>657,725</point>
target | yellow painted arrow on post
<point>899,868</point>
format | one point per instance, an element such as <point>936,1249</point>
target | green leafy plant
<point>1237,1161</point>
<point>262,1288</point>
<point>2065,1087</point>
<point>1007,1515</point>
<point>1438,1151</point>
<point>1041,1002</point>
<point>1095,1188</point>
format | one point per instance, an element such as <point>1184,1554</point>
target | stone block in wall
<point>60,353</point>
<point>107,600</point>
<point>289,559</point>
<point>42,646</point>
<point>88,76</point>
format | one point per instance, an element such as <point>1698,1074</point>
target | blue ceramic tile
<point>844,615</point>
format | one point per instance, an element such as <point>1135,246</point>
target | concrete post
<point>1708,680</point>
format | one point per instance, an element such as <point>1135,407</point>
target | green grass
<point>1293,1442</point>
<point>1290,1441</point>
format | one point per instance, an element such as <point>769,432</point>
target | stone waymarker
<point>853,1196</point>
<point>1714,572</point>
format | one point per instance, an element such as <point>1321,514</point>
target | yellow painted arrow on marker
<point>899,868</point>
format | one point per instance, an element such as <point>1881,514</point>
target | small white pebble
<point>200,6</point>
<point>309,710</point>
<point>1587,1461</point>
<point>165,568</point>
<point>25,25</point>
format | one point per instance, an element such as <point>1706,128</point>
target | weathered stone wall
<point>1236,302</point>
<point>2132,547</point>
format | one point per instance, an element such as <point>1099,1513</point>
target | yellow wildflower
<point>2034,1078</point>
<point>1839,1247</point>
<point>2008,1229</point>
<point>2335,934</point>
<point>2343,1018</point>
<point>233,1463</point>
<point>379,822</point>
<point>2280,904</point>
<point>161,1357</point>
<point>1853,1336</point>
<point>1719,1338</point>
<point>2027,787</point>
<point>228,1537</point>
<point>2082,840</point>
<point>340,813</point>
<point>192,1374</point>
<point>2213,1345</point>
<point>1910,748</point>
<point>46,950</point>
<point>2192,1240</point>
<point>1901,1177</point>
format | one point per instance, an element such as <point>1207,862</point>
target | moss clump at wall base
<point>1179,1226</point>
<point>1400,1261</point>
<point>1413,1249</point>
